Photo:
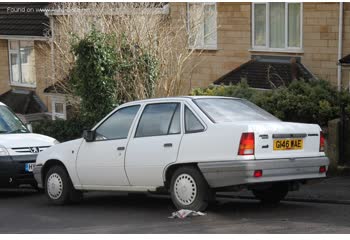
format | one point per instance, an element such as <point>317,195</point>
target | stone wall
<point>320,41</point>
<point>4,67</point>
<point>42,69</point>
<point>233,21</point>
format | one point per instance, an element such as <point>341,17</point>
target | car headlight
<point>3,151</point>
<point>56,142</point>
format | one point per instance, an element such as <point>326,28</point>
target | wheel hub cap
<point>54,186</point>
<point>185,189</point>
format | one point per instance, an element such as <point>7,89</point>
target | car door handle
<point>168,144</point>
<point>120,148</point>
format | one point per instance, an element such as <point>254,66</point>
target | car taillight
<point>258,173</point>
<point>321,142</point>
<point>323,169</point>
<point>246,145</point>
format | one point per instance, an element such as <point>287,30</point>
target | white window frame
<point>13,83</point>
<point>55,115</point>
<point>202,45</point>
<point>267,27</point>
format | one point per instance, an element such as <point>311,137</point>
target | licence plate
<point>28,167</point>
<point>288,144</point>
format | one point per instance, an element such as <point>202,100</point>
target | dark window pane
<point>175,124</point>
<point>191,122</point>
<point>118,125</point>
<point>155,119</point>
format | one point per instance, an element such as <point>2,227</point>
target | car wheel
<point>59,188</point>
<point>272,195</point>
<point>189,190</point>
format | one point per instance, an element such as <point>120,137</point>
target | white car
<point>18,150</point>
<point>189,146</point>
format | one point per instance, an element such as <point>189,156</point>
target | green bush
<point>308,102</point>
<point>93,76</point>
<point>62,130</point>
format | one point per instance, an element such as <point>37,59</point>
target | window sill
<point>204,48</point>
<point>297,51</point>
<point>22,85</point>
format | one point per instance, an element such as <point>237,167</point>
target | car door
<point>155,144</point>
<point>100,164</point>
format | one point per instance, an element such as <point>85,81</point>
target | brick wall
<point>320,41</point>
<point>346,43</point>
<point>233,36</point>
<point>42,69</point>
<point>4,67</point>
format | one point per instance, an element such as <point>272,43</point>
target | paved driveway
<point>29,212</point>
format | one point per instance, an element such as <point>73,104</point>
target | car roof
<point>168,99</point>
<point>1,104</point>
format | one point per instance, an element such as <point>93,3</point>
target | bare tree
<point>145,25</point>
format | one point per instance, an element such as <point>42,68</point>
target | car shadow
<point>151,202</point>
<point>17,193</point>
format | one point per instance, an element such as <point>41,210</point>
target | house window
<point>22,62</point>
<point>202,26</point>
<point>58,105</point>
<point>277,26</point>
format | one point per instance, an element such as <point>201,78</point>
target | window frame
<point>172,117</point>
<point>198,118</point>
<point>267,27</point>
<point>18,51</point>
<point>110,115</point>
<point>202,46</point>
<point>54,114</point>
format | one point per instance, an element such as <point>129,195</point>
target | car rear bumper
<point>231,173</point>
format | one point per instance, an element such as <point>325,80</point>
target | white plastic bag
<point>183,213</point>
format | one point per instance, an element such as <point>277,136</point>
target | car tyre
<point>189,189</point>
<point>273,194</point>
<point>59,188</point>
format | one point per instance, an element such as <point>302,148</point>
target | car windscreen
<point>231,110</point>
<point>9,122</point>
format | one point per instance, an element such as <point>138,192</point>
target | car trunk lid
<point>285,140</point>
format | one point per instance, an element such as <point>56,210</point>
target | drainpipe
<point>341,160</point>
<point>52,49</point>
<point>340,43</point>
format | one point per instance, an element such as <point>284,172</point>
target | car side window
<point>117,126</point>
<point>158,119</point>
<point>192,124</point>
<point>175,126</point>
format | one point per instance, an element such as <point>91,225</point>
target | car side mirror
<point>89,135</point>
<point>29,127</point>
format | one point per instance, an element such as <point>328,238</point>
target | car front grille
<point>30,149</point>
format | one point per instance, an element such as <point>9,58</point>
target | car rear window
<point>231,110</point>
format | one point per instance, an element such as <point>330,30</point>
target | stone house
<point>254,40</point>
<point>268,44</point>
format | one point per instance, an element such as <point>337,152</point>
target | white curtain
<point>196,24</point>
<point>27,62</point>
<point>294,25</point>
<point>209,24</point>
<point>277,25</point>
<point>260,25</point>
<point>14,67</point>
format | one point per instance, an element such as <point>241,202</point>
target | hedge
<point>62,130</point>
<point>307,102</point>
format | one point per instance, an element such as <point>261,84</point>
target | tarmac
<point>329,190</point>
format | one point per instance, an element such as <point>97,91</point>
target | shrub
<point>308,102</point>
<point>62,130</point>
<point>93,76</point>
